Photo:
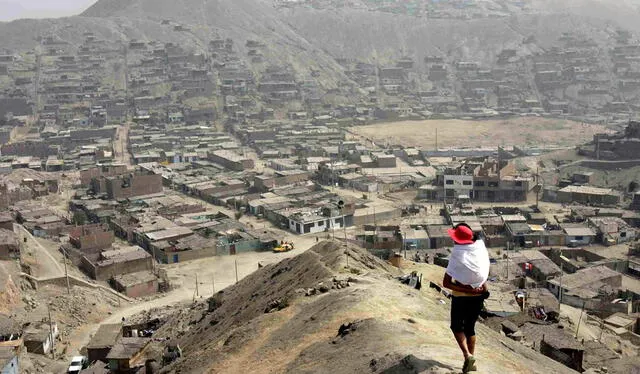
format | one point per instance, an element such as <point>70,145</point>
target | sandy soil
<point>532,131</point>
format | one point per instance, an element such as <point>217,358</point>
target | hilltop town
<point>176,195</point>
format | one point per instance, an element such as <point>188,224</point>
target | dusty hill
<point>310,39</point>
<point>311,314</point>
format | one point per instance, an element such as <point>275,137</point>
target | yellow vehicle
<point>283,247</point>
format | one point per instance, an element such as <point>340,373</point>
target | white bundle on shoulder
<point>469,264</point>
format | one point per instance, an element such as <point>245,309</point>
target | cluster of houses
<point>36,337</point>
<point>416,8</point>
<point>113,348</point>
<point>135,208</point>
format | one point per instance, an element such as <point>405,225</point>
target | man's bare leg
<point>471,344</point>
<point>462,343</point>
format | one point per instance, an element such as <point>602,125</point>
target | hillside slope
<point>387,327</point>
<point>312,39</point>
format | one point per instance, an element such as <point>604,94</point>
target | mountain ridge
<point>313,313</point>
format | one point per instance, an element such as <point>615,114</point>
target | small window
<point>519,184</point>
<point>449,182</point>
<point>623,234</point>
<point>466,183</point>
<point>479,183</point>
<point>579,238</point>
<point>321,223</point>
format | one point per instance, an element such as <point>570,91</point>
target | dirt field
<point>531,131</point>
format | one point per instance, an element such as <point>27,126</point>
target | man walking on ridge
<point>466,277</point>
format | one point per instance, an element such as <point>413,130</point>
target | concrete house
<point>126,354</point>
<point>108,264</point>
<point>138,284</point>
<point>9,246</point>
<point>588,195</point>
<point>102,341</point>
<point>438,236</point>
<point>9,363</point>
<point>88,237</point>
<point>578,234</point>
<point>612,230</point>
<point>39,337</point>
<point>555,344</point>
<point>542,267</point>
<point>591,287</point>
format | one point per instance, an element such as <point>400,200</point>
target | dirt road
<point>47,266</point>
<point>120,150</point>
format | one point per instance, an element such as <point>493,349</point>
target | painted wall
<point>12,367</point>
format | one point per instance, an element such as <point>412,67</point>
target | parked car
<point>77,363</point>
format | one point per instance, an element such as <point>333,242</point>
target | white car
<point>77,363</point>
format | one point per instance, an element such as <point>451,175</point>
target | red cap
<point>461,235</point>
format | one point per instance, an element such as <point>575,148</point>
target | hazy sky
<point>14,9</point>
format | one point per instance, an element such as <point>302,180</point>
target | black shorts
<point>465,311</point>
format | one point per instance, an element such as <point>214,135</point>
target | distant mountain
<point>311,38</point>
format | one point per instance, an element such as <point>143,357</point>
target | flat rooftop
<point>126,348</point>
<point>589,190</point>
<point>106,336</point>
<point>169,233</point>
<point>132,279</point>
<point>586,277</point>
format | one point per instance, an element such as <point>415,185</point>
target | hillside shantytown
<point>209,186</point>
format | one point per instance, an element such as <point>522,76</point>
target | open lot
<point>530,131</point>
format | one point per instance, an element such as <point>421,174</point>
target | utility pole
<point>66,274</point>
<point>346,245</point>
<point>236,265</point>
<point>580,319</point>
<point>524,299</point>
<point>560,289</point>
<point>333,231</point>
<point>537,185</point>
<point>197,293</point>
<point>53,343</point>
<point>404,247</point>
<point>375,229</point>
<point>115,268</point>
<point>155,256</point>
<point>507,261</point>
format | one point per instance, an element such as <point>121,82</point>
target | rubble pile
<point>324,287</point>
<point>30,303</point>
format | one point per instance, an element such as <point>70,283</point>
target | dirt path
<point>120,145</point>
<point>47,266</point>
